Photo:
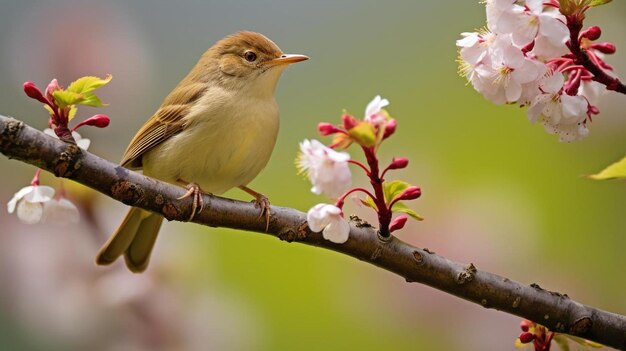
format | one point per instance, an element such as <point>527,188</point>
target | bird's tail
<point>134,239</point>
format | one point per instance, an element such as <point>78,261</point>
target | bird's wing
<point>166,122</point>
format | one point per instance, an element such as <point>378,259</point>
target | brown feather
<point>165,123</point>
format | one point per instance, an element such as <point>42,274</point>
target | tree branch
<point>556,311</point>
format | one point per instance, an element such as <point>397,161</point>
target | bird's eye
<point>250,56</point>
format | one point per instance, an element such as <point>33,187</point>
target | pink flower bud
<point>327,129</point>
<point>390,128</point>
<point>526,337</point>
<point>411,193</point>
<point>34,93</point>
<point>99,121</point>
<point>398,163</point>
<point>592,33</point>
<point>398,223</point>
<point>525,325</point>
<point>54,85</point>
<point>349,122</point>
<point>605,48</point>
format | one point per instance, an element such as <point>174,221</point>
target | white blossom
<point>29,203</point>
<point>374,113</point>
<point>327,219</point>
<point>502,80</point>
<point>560,113</point>
<point>511,62</point>
<point>60,211</point>
<point>474,46</point>
<point>500,14</point>
<point>82,143</point>
<point>326,168</point>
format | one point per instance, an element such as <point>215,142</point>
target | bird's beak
<point>285,60</point>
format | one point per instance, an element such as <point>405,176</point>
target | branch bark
<point>554,310</point>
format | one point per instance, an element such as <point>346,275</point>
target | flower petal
<point>17,197</point>
<point>40,193</point>
<point>29,212</point>
<point>375,106</point>
<point>61,211</point>
<point>337,231</point>
<point>326,168</point>
<point>317,218</point>
<point>574,108</point>
<point>83,143</point>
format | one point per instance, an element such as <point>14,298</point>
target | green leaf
<point>567,7</point>
<point>49,109</point>
<point>615,171</point>
<point>364,134</point>
<point>400,207</point>
<point>88,84</point>
<point>72,113</point>
<point>599,2</point>
<point>369,202</point>
<point>393,189</point>
<point>90,99</point>
<point>66,98</point>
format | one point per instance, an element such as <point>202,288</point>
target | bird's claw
<point>262,202</point>
<point>194,191</point>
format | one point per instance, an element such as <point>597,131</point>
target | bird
<point>215,131</point>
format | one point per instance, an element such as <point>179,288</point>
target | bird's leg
<point>193,190</point>
<point>260,201</point>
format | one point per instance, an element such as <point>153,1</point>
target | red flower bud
<point>327,129</point>
<point>526,337</point>
<point>410,193</point>
<point>99,121</point>
<point>398,163</point>
<point>349,122</point>
<point>605,48</point>
<point>592,33</point>
<point>525,325</point>
<point>54,85</point>
<point>390,128</point>
<point>34,93</point>
<point>398,223</point>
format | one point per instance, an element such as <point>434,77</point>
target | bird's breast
<point>226,142</point>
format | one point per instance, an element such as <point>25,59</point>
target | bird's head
<point>249,60</point>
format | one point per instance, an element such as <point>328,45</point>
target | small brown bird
<point>215,131</point>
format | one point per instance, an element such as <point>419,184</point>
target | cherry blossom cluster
<point>534,53</point>
<point>38,203</point>
<point>541,338</point>
<point>327,167</point>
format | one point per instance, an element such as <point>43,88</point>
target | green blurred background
<point>498,191</point>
